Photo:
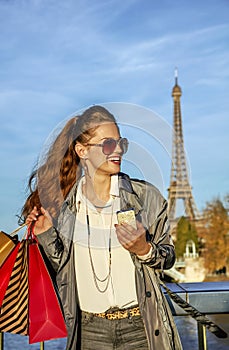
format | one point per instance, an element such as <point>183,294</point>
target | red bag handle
<point>30,234</point>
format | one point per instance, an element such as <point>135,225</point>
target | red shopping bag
<point>46,320</point>
<point>14,308</point>
<point>6,270</point>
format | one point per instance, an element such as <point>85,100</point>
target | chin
<point>110,169</point>
<point>114,171</point>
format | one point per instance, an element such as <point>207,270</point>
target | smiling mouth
<point>115,160</point>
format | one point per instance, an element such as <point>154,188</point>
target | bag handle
<point>30,234</point>
<point>13,233</point>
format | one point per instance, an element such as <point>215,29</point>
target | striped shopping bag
<point>14,307</point>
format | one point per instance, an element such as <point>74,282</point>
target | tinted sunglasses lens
<point>123,145</point>
<point>109,146</point>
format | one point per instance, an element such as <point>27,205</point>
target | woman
<point>105,272</point>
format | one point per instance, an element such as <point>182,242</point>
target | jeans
<point>101,334</point>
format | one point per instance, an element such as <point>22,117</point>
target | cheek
<point>97,159</point>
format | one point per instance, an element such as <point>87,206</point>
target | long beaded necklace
<point>95,276</point>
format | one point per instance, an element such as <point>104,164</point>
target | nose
<point>118,149</point>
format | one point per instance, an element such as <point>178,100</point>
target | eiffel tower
<point>179,181</point>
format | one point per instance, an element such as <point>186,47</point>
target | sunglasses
<point>109,145</point>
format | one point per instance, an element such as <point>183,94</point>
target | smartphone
<point>127,216</point>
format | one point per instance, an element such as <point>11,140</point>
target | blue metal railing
<point>208,297</point>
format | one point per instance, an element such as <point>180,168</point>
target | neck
<point>97,189</point>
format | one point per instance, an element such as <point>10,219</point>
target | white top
<point>121,290</point>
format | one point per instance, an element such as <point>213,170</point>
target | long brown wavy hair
<point>51,181</point>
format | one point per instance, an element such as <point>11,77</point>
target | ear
<point>81,150</point>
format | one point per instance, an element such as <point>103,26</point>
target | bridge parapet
<point>210,298</point>
<point>207,297</point>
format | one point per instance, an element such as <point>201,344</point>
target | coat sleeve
<point>158,232</point>
<point>52,246</point>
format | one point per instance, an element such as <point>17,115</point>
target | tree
<point>215,235</point>
<point>185,231</point>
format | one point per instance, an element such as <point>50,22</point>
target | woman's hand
<point>133,240</point>
<point>42,219</point>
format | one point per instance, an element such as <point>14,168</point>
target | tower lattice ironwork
<point>180,188</point>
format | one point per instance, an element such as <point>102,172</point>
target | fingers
<point>131,239</point>
<point>46,215</point>
<point>43,211</point>
<point>123,234</point>
<point>128,235</point>
<point>129,230</point>
<point>42,219</point>
<point>32,216</point>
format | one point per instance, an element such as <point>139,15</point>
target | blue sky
<point>58,57</point>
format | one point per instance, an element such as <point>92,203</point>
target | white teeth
<point>115,159</point>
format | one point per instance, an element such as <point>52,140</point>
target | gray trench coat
<point>151,209</point>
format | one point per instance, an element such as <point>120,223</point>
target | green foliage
<point>185,231</point>
<point>216,235</point>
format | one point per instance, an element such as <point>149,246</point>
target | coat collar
<point>129,198</point>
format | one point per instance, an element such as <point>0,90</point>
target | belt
<point>116,313</point>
